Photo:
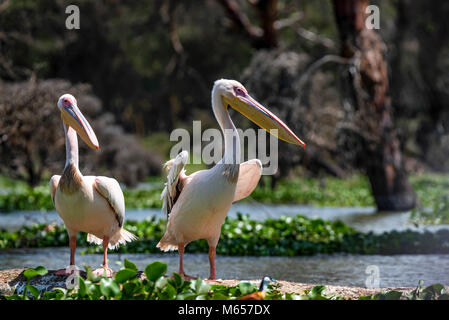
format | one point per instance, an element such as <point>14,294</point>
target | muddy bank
<point>12,279</point>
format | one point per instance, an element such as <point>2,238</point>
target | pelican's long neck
<point>71,146</point>
<point>71,179</point>
<point>231,136</point>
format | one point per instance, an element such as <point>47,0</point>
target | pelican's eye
<point>239,91</point>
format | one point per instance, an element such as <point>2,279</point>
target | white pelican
<point>196,205</point>
<point>87,203</point>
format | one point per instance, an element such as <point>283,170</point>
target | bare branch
<point>288,22</point>
<point>317,64</point>
<point>240,19</point>
<point>317,38</point>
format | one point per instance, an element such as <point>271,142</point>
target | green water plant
<point>153,284</point>
<point>286,236</point>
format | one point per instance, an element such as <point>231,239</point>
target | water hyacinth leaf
<point>179,281</point>
<point>34,291</point>
<point>90,275</point>
<point>435,289</point>
<point>186,296</point>
<point>155,270</point>
<point>60,290</point>
<point>41,271</point>
<point>246,287</point>
<point>317,290</point>
<point>219,296</point>
<point>199,286</point>
<point>124,275</point>
<point>30,273</point>
<point>82,289</point>
<point>393,295</point>
<point>109,288</point>
<point>130,265</point>
<point>317,293</point>
<point>129,288</point>
<point>161,283</point>
<point>168,293</point>
<point>94,291</point>
<point>38,271</point>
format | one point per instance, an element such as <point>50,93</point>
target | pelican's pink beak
<point>73,117</point>
<point>263,117</point>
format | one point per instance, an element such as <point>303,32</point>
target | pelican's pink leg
<point>105,251</point>
<point>212,262</point>
<point>181,267</point>
<point>101,271</point>
<point>72,244</point>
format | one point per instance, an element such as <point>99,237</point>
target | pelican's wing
<point>110,189</point>
<point>249,175</point>
<point>175,178</point>
<point>54,182</point>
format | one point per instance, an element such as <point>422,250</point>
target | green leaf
<point>199,286</point>
<point>128,288</point>
<point>90,275</point>
<point>317,293</point>
<point>169,292</point>
<point>82,290</point>
<point>34,291</point>
<point>41,271</point>
<point>186,296</point>
<point>219,296</point>
<point>435,289</point>
<point>124,275</point>
<point>393,295</point>
<point>30,273</point>
<point>246,287</point>
<point>155,270</point>
<point>109,288</point>
<point>161,282</point>
<point>130,265</point>
<point>317,290</point>
<point>179,281</point>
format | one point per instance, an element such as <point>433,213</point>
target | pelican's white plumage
<point>87,203</point>
<point>196,205</point>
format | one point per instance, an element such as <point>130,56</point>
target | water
<point>395,271</point>
<point>361,218</point>
<point>347,270</point>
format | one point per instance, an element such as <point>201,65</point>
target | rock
<point>13,280</point>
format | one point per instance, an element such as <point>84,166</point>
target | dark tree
<point>366,90</point>
<point>32,144</point>
<point>263,37</point>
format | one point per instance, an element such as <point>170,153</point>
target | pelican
<point>196,205</point>
<point>86,203</point>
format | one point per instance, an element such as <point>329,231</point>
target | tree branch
<point>240,19</point>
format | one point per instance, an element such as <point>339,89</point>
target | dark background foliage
<point>141,68</point>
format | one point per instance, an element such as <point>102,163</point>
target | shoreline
<point>12,279</point>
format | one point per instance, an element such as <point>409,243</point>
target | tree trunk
<point>379,153</point>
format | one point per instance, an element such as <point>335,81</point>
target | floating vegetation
<point>130,284</point>
<point>287,236</point>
